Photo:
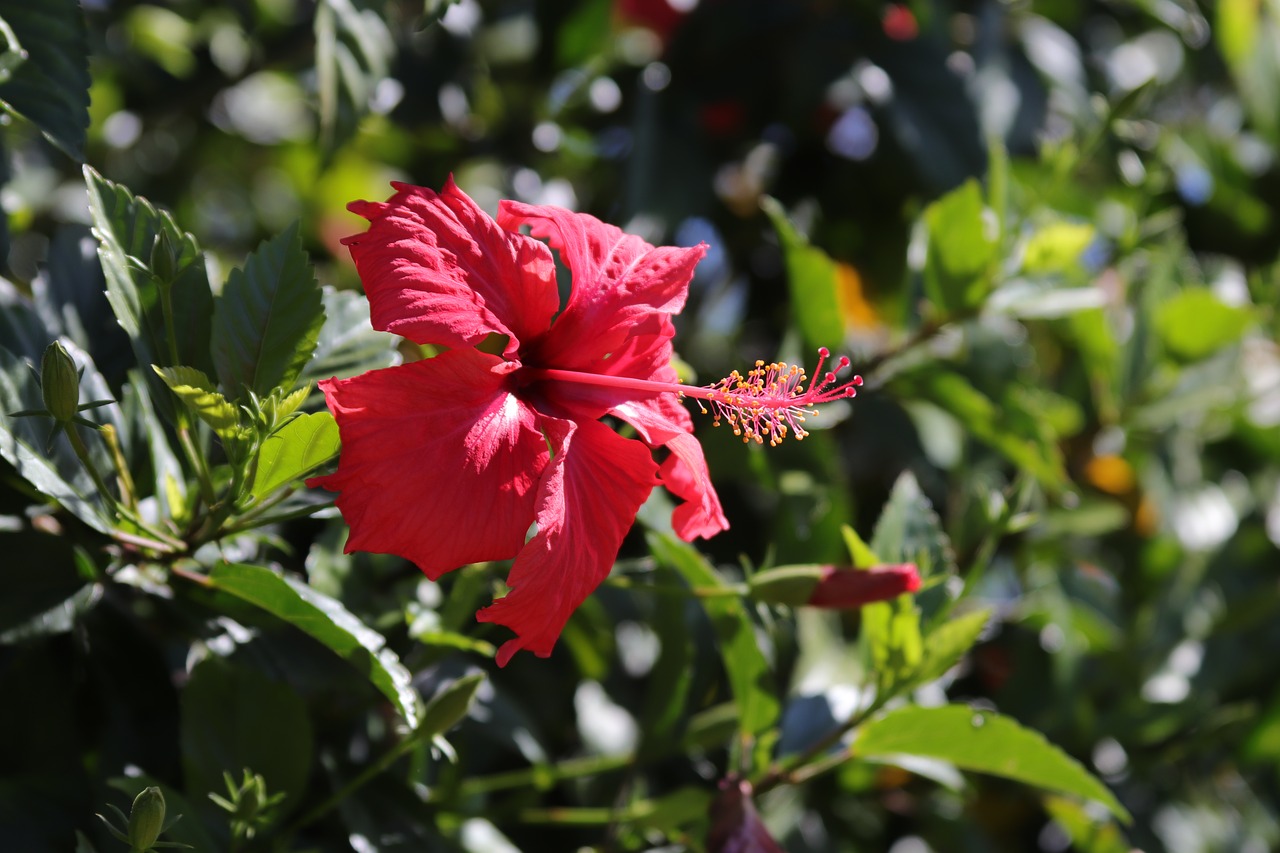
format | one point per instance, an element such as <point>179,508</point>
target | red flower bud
<point>844,588</point>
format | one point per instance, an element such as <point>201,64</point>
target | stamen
<point>771,400</point>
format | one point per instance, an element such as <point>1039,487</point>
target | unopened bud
<point>59,383</point>
<point>836,587</point>
<point>146,818</point>
<point>164,259</point>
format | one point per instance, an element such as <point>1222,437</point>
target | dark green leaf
<point>983,741</point>
<point>126,227</point>
<point>959,267</point>
<point>235,718</point>
<point>51,87</point>
<point>267,318</point>
<point>664,710</point>
<point>811,275</point>
<point>450,704</point>
<point>748,671</point>
<point>327,621</point>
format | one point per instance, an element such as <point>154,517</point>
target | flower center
<point>769,402</point>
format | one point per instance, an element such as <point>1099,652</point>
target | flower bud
<point>59,383</point>
<point>146,818</point>
<point>164,258</point>
<point>836,587</point>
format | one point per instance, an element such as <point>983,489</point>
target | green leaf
<point>450,704</point>
<point>1195,323</point>
<point>267,318</point>
<point>235,718</point>
<point>959,266</point>
<point>126,227</point>
<point>985,742</point>
<point>1056,247</point>
<point>909,531</point>
<point>327,621</point>
<point>749,675</point>
<point>859,552</point>
<point>812,278</point>
<point>348,345</point>
<point>197,392</point>
<point>353,54</point>
<point>295,449</point>
<point>892,644</point>
<point>946,644</point>
<point>50,88</point>
<point>1087,834</point>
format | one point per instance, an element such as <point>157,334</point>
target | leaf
<point>663,714</point>
<point>859,552</point>
<point>127,227</point>
<point>348,345</point>
<point>197,392</point>
<point>327,621</point>
<point>962,251</point>
<point>353,53</point>
<point>235,718</point>
<point>946,644</point>
<point>267,319</point>
<point>1056,247</point>
<point>150,439</point>
<point>1195,323</point>
<point>909,531</point>
<point>985,742</point>
<point>748,671</point>
<point>295,449</point>
<point>50,88</point>
<point>811,276</point>
<point>892,644</point>
<point>450,704</point>
<point>1087,834</point>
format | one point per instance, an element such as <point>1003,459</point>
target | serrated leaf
<point>348,345</point>
<point>267,319</point>
<point>450,704</point>
<point>812,279</point>
<point>327,621</point>
<point>294,450</point>
<point>909,531</point>
<point>982,741</point>
<point>749,675</point>
<point>50,87</point>
<point>962,250</point>
<point>126,227</point>
<point>197,392</point>
<point>1195,323</point>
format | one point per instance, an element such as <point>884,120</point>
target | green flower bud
<point>146,818</point>
<point>59,383</point>
<point>164,258</point>
<point>787,584</point>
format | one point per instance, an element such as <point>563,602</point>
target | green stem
<point>814,760</point>
<point>388,758</point>
<point>544,776</point>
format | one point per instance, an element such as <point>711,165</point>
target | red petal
<point>619,281</point>
<point>845,588</point>
<point>587,500</point>
<point>664,421</point>
<point>438,461</point>
<point>438,270</point>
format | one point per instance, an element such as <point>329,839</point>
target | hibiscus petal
<point>439,461</point>
<point>619,281</point>
<point>587,501</point>
<point>438,270</point>
<point>664,422</point>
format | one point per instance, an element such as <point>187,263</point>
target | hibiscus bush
<point>633,425</point>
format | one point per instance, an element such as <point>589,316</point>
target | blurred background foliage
<point>1045,231</point>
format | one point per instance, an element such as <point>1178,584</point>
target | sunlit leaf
<point>327,621</point>
<point>294,450</point>
<point>985,742</point>
<point>958,271</point>
<point>811,276</point>
<point>1195,323</point>
<point>198,393</point>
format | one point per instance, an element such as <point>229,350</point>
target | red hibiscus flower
<point>449,461</point>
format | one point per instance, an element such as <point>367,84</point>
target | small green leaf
<point>450,704</point>
<point>294,450</point>
<point>945,645</point>
<point>811,276</point>
<point>859,552</point>
<point>49,84</point>
<point>1195,323</point>
<point>267,318</point>
<point>748,671</point>
<point>982,741</point>
<point>1056,247</point>
<point>962,250</point>
<point>327,621</point>
<point>197,392</point>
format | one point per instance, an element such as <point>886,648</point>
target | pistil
<point>768,403</point>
